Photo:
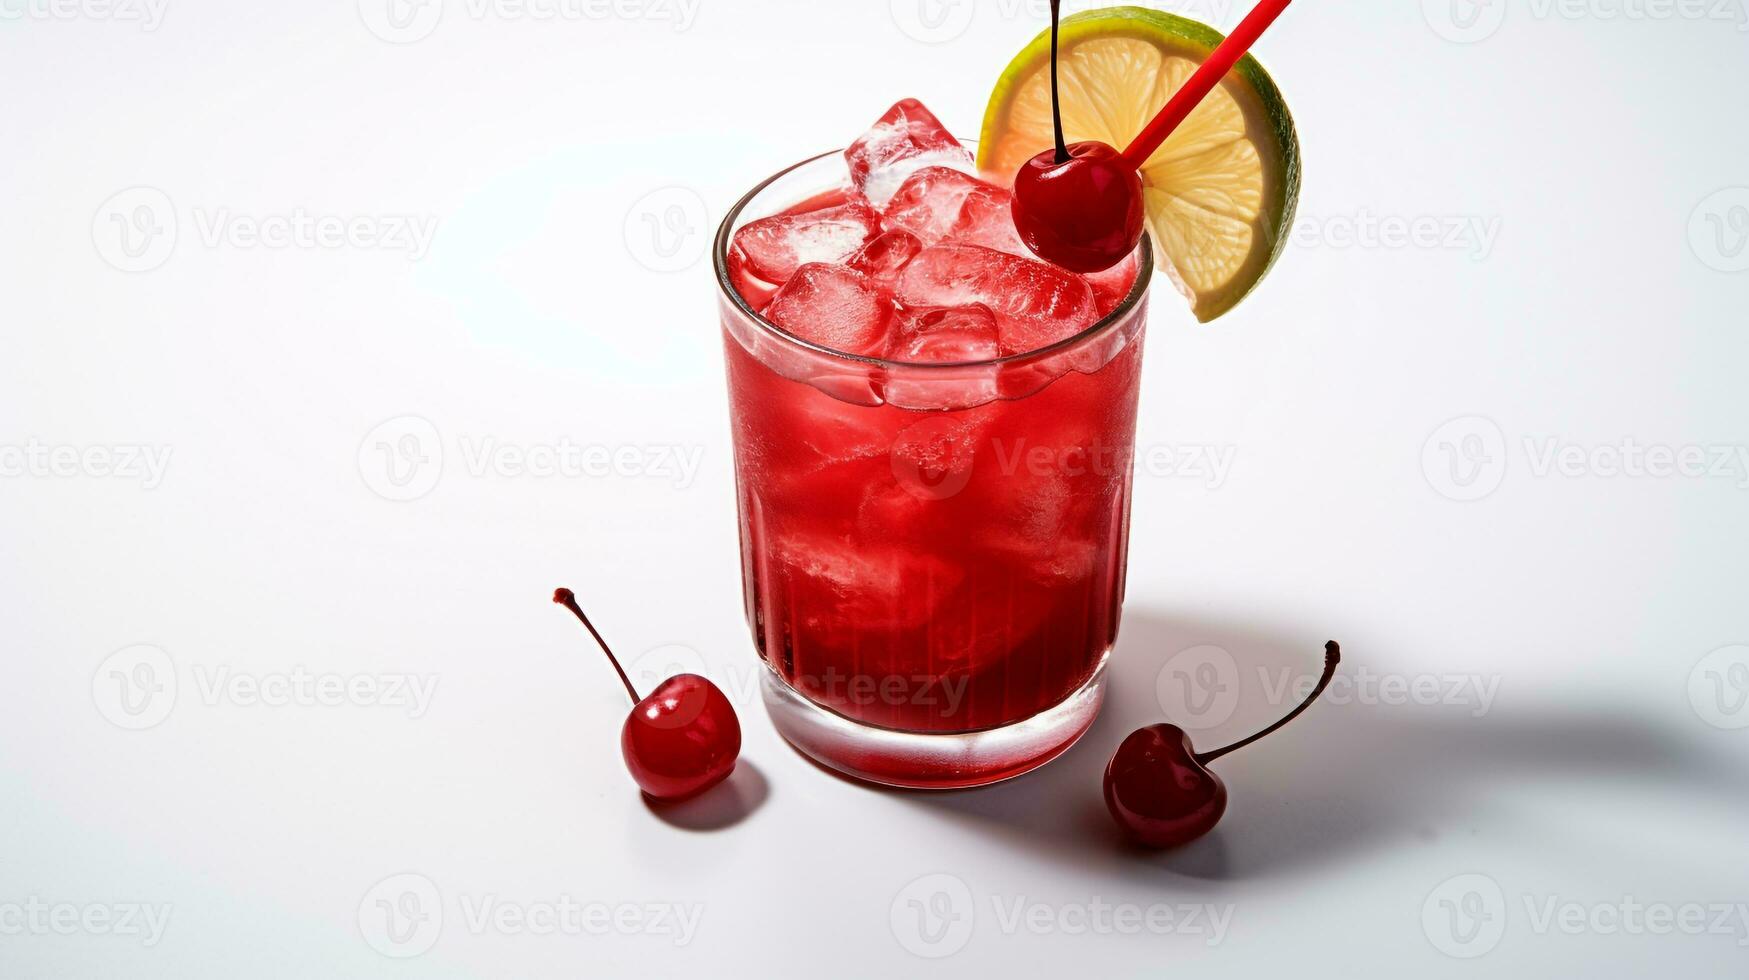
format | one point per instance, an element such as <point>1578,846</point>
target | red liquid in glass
<point>935,571</point>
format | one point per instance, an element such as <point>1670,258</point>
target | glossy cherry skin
<point>1158,792</point>
<point>682,739</point>
<point>1084,214</point>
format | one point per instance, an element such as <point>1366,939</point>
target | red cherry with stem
<point>1159,788</point>
<point>682,739</point>
<point>1081,206</point>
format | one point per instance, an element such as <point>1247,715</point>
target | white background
<point>1606,307</point>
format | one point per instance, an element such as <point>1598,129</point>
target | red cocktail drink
<point>933,435</point>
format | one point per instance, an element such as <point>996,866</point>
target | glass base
<point>922,761</point>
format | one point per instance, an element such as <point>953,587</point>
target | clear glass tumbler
<point>933,555</point>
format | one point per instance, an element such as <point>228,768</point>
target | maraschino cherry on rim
<point>1080,205</point>
<point>680,740</point>
<point>1159,788</point>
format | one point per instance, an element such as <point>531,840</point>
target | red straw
<point>1204,81</point>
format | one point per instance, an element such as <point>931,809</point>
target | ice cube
<point>906,139</point>
<point>756,291</point>
<point>884,257</point>
<point>987,218</point>
<point>842,587</point>
<point>942,205</point>
<point>945,335</point>
<point>1036,304</point>
<point>956,335</point>
<point>834,307</point>
<point>773,248</point>
<point>1111,286</point>
<point>929,202</point>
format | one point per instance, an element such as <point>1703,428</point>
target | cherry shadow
<point>720,807</point>
<point>1346,778</point>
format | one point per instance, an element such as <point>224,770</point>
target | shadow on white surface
<point>720,807</point>
<point>1345,779</point>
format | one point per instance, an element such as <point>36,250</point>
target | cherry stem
<point>1056,105</point>
<point>568,599</point>
<point>1332,657</point>
<point>1192,92</point>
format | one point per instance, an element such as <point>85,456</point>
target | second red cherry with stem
<point>680,740</point>
<point>1159,788</point>
<point>1080,206</point>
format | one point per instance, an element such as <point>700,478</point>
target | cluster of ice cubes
<point>916,261</point>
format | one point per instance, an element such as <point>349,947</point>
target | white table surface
<point>1540,681</point>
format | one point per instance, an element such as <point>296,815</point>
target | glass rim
<point>720,255</point>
